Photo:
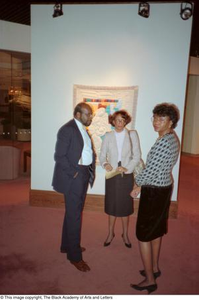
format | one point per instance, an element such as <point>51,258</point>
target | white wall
<point>15,37</point>
<point>105,45</point>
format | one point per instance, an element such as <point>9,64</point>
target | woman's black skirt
<point>118,201</point>
<point>153,212</point>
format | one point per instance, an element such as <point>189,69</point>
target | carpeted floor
<point>30,261</point>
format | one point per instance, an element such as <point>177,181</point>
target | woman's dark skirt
<point>118,201</point>
<point>153,212</point>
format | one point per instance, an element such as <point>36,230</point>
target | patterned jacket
<point>160,161</point>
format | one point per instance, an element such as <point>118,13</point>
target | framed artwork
<point>105,101</point>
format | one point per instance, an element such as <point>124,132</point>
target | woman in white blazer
<point>120,151</point>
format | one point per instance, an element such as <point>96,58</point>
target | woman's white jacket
<point>131,153</point>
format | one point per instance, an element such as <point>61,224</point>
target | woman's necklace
<point>161,136</point>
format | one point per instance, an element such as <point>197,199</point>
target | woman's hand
<point>108,167</point>
<point>121,169</point>
<point>135,192</point>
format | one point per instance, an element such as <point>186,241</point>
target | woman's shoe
<point>107,244</point>
<point>150,288</point>
<point>126,244</point>
<point>155,274</point>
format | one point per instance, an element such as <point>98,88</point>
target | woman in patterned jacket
<point>156,184</point>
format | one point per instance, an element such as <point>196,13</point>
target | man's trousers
<point>74,204</point>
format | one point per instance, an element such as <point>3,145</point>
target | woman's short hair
<point>168,110</point>
<point>123,114</point>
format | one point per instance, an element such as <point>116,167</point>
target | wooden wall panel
<point>92,203</point>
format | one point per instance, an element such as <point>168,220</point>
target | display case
<point>15,95</point>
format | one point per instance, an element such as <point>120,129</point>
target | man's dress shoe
<point>80,265</point>
<point>65,251</point>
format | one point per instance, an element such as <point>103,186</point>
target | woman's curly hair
<point>168,110</point>
<point>123,114</point>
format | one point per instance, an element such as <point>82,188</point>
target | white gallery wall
<point>103,45</point>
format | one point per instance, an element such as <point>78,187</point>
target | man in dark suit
<point>74,170</point>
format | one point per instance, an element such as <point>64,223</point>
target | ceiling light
<point>57,10</point>
<point>186,10</point>
<point>144,9</point>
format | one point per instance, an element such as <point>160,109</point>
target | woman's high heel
<point>150,288</point>
<point>126,244</point>
<point>107,244</point>
<point>155,274</point>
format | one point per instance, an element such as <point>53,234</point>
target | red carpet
<point>30,262</point>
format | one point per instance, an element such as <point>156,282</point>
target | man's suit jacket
<point>68,152</point>
<point>131,153</point>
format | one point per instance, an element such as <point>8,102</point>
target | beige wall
<point>194,66</point>
<point>15,37</point>
<point>191,124</point>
